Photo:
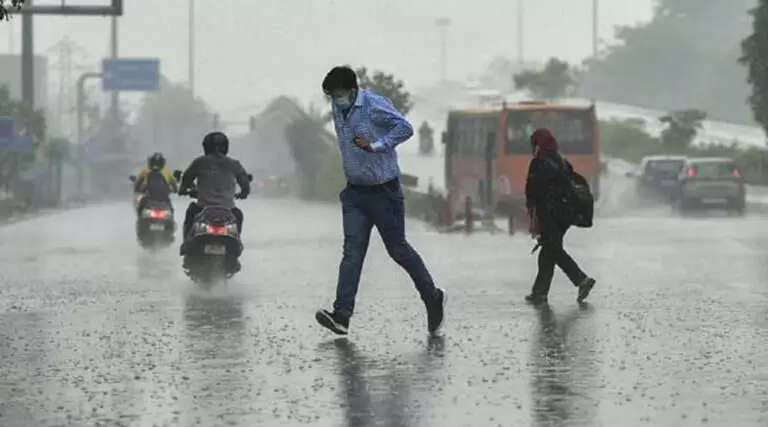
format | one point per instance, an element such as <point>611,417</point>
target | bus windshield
<point>572,128</point>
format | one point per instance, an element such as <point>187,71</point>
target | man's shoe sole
<point>442,321</point>
<point>585,289</point>
<point>328,322</point>
<point>537,300</point>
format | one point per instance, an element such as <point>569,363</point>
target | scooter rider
<point>216,175</point>
<point>155,182</point>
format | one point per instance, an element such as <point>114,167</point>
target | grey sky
<point>252,50</point>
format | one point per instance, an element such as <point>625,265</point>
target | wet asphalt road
<point>95,331</point>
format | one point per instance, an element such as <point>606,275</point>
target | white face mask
<point>342,100</point>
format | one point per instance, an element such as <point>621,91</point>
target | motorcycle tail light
<point>217,229</point>
<point>159,213</point>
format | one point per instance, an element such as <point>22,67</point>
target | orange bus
<point>487,152</point>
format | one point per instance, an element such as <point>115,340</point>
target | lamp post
<point>191,48</point>
<point>595,28</point>
<point>442,24</point>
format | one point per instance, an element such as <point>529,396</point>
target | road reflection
<point>215,355</point>
<point>380,392</point>
<point>154,265</point>
<point>564,369</point>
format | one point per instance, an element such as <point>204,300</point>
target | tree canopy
<point>682,127</point>
<point>755,57</point>
<point>555,80</point>
<point>173,121</point>
<point>386,85</point>
<point>685,57</point>
<point>5,4</point>
<point>33,119</point>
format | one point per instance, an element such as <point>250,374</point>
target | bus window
<point>573,130</point>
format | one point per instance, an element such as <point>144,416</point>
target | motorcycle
<point>213,244</point>
<point>155,225</point>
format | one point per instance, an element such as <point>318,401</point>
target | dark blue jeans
<point>382,206</point>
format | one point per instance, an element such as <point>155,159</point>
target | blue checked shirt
<point>375,119</point>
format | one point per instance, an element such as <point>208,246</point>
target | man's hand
<point>362,143</point>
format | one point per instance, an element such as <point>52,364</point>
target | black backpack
<point>578,196</point>
<point>157,186</point>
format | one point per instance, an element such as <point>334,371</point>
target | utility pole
<point>11,38</point>
<point>81,128</point>
<point>115,102</point>
<point>191,49</point>
<point>64,65</point>
<point>442,24</point>
<point>27,59</point>
<point>595,28</point>
<point>520,34</point>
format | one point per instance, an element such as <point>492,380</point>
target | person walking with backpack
<point>549,198</point>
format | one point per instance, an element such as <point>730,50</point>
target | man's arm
<point>384,114</point>
<point>140,178</point>
<point>241,176</point>
<point>171,180</point>
<point>189,176</point>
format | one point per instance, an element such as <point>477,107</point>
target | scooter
<point>155,223</point>
<point>213,244</point>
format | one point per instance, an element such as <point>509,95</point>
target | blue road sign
<point>10,139</point>
<point>7,127</point>
<point>140,75</point>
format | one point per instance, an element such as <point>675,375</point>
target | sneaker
<point>585,288</point>
<point>334,321</point>
<point>436,312</point>
<point>536,299</point>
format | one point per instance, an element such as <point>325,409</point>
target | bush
<point>627,140</point>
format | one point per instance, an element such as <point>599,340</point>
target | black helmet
<point>216,142</point>
<point>156,161</point>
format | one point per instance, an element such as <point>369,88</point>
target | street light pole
<point>27,59</point>
<point>595,28</point>
<point>442,25</point>
<point>191,48</point>
<point>81,129</point>
<point>115,102</point>
<point>520,33</point>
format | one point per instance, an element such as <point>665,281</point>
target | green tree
<point>5,4</point>
<point>386,85</point>
<point>318,161</point>
<point>555,80</point>
<point>33,121</point>
<point>682,127</point>
<point>173,121</point>
<point>755,57</point>
<point>687,54</point>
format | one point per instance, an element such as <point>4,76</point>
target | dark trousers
<point>194,209</point>
<point>552,253</point>
<point>382,206</point>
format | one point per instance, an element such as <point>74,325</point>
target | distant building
<point>10,75</point>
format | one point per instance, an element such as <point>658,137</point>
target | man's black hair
<point>341,77</point>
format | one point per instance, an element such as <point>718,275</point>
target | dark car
<point>709,182</point>
<point>657,176</point>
